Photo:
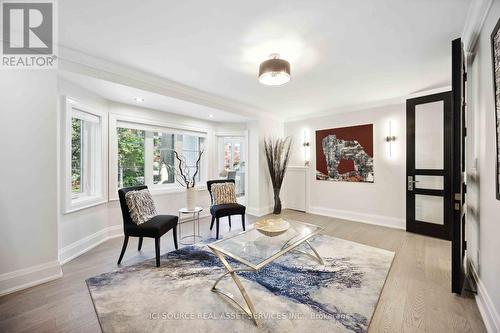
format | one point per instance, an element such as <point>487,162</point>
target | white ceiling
<point>341,52</point>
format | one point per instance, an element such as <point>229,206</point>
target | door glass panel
<point>429,182</point>
<point>429,142</point>
<point>429,209</point>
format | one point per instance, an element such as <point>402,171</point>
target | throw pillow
<point>140,205</point>
<point>223,193</point>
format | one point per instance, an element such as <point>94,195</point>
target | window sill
<point>84,203</point>
<point>166,190</point>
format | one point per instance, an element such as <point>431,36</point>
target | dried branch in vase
<point>182,171</point>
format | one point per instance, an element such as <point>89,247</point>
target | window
<point>130,157</point>
<point>145,155</point>
<point>191,146</point>
<point>164,160</point>
<point>76,155</point>
<point>83,161</point>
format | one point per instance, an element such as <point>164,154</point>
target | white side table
<point>195,217</point>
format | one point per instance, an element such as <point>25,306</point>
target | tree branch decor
<point>277,155</point>
<point>182,173</point>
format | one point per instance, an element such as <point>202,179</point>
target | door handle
<point>411,183</point>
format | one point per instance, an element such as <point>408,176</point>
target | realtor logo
<point>28,34</point>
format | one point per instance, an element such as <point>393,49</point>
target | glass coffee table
<point>256,250</point>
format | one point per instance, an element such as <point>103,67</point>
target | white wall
<point>28,193</point>
<point>381,202</point>
<point>484,209</point>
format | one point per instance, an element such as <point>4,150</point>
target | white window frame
<point>117,120</point>
<point>98,181</point>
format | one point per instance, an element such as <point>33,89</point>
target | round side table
<point>195,217</point>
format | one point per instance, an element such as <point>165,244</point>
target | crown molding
<point>369,105</point>
<point>77,62</point>
<point>476,15</point>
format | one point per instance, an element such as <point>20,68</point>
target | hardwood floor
<point>416,296</point>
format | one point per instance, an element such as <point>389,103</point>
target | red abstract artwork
<point>345,154</point>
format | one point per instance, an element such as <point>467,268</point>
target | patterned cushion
<point>140,205</point>
<point>223,193</point>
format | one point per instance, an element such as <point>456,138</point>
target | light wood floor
<point>415,298</point>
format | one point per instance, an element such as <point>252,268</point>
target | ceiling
<point>341,52</point>
<point>125,94</point>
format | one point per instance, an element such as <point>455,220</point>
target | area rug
<point>293,294</point>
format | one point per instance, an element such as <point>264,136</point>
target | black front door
<point>429,202</point>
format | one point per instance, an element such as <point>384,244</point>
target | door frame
<point>443,231</point>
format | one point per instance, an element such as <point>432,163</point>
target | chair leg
<point>229,221</point>
<point>157,249</point>
<point>212,224</point>
<point>124,247</point>
<point>243,221</point>
<point>174,232</point>
<point>139,247</point>
<point>217,229</point>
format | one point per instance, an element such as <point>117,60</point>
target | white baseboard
<point>83,245</point>
<point>385,221</point>
<point>29,277</point>
<point>491,317</point>
<point>259,211</point>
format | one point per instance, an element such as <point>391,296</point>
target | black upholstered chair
<point>218,211</point>
<point>154,228</point>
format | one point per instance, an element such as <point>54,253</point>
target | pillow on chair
<point>223,193</point>
<point>140,205</point>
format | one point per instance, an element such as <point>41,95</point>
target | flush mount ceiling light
<point>275,71</point>
<point>139,99</point>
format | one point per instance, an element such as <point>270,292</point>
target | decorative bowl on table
<point>272,227</point>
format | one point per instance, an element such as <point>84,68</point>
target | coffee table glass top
<point>254,249</point>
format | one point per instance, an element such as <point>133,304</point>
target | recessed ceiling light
<point>210,116</point>
<point>139,99</point>
<point>275,71</point>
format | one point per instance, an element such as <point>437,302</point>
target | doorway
<point>232,163</point>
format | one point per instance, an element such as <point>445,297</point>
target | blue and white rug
<point>293,294</point>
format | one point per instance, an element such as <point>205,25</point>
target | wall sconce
<point>307,149</point>
<point>390,139</point>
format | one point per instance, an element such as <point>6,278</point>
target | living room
<point>282,166</point>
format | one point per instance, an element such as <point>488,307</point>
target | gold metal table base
<point>248,307</point>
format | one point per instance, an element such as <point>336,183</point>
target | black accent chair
<point>154,228</point>
<point>218,211</point>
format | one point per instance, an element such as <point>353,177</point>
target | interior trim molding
<point>368,105</point>
<point>76,249</point>
<point>78,62</point>
<point>29,277</point>
<point>384,221</point>
<point>260,211</point>
<point>491,317</point>
<point>476,15</point>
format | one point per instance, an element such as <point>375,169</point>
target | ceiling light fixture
<point>275,71</point>
<point>210,116</point>
<point>139,99</point>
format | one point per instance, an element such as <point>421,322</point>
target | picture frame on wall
<point>495,54</point>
